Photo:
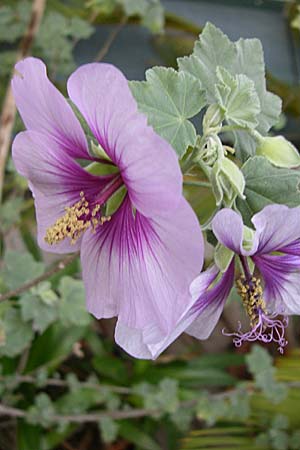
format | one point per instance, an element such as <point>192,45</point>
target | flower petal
<point>55,181</point>
<point>227,226</point>
<point>281,276</point>
<point>148,164</point>
<point>140,269</point>
<point>44,109</point>
<point>210,304</point>
<point>134,338</point>
<point>277,226</point>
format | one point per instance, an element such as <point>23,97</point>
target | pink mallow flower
<point>270,290</point>
<point>137,264</point>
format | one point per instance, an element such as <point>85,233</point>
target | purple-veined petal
<point>291,249</point>
<point>44,109</point>
<point>140,269</point>
<point>148,164</point>
<point>281,274</point>
<point>133,338</point>
<point>227,226</point>
<point>55,180</point>
<point>209,306</point>
<point>276,227</point>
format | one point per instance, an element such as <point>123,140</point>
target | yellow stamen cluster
<point>73,223</point>
<point>251,294</point>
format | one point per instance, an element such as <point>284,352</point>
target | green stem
<point>206,184</point>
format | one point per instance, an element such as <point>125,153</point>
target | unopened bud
<point>279,151</point>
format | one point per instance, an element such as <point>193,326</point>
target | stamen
<point>77,219</point>
<point>265,327</point>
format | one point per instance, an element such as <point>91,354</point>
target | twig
<point>109,41</point>
<point>49,273</point>
<point>93,417</point>
<point>63,383</point>
<point>9,108</point>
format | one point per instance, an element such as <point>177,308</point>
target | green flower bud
<point>212,120</point>
<point>279,151</point>
<point>228,182</point>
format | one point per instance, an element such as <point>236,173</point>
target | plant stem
<point>109,41</point>
<point>91,417</point>
<point>49,273</point>
<point>8,114</point>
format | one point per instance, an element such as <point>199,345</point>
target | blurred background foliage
<point>64,384</point>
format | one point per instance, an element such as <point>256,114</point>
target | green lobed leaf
<point>238,98</point>
<point>169,99</point>
<point>245,57</point>
<point>20,268</point>
<point>71,307</point>
<point>267,184</point>
<point>17,333</point>
<point>40,306</point>
<point>109,429</point>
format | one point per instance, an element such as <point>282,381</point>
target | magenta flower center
<point>82,215</point>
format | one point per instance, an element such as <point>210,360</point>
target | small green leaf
<point>71,307</point>
<point>169,99</point>
<point>20,268</point>
<point>17,333</point>
<point>40,306</point>
<point>109,429</point>
<point>238,98</point>
<point>154,17</point>
<point>132,7</point>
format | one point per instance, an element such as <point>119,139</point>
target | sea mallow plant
<point>117,196</point>
<point>139,260</point>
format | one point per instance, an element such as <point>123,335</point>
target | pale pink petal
<point>44,109</point>
<point>277,226</point>
<point>54,179</point>
<point>148,164</point>
<point>140,269</point>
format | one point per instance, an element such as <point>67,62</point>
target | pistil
<point>265,327</point>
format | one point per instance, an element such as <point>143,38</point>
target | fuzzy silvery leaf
<point>238,98</point>
<point>39,306</point>
<point>17,334</point>
<point>20,268</point>
<point>266,184</point>
<point>169,99</point>
<point>132,7</point>
<point>245,57</point>
<point>109,429</point>
<point>154,18</point>
<point>71,308</point>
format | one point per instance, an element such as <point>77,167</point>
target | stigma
<point>76,220</point>
<point>265,327</point>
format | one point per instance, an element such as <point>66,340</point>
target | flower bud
<point>212,120</point>
<point>228,182</point>
<point>279,151</point>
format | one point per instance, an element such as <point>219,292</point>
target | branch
<point>9,108</point>
<point>49,273</point>
<point>63,383</point>
<point>109,41</point>
<point>93,417</point>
